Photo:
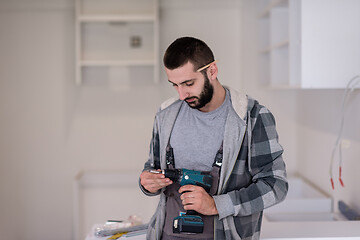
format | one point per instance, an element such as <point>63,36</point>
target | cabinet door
<point>330,42</point>
<point>310,43</point>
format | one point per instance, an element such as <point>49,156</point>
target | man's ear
<point>212,71</point>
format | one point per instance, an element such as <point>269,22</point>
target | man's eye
<point>189,84</point>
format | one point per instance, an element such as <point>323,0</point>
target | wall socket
<point>345,143</point>
<point>135,41</point>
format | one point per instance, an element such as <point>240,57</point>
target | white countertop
<point>325,230</point>
<point>310,230</point>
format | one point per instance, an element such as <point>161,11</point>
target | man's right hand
<point>153,182</point>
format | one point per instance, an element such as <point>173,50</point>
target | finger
<point>163,182</point>
<point>148,176</point>
<point>153,175</point>
<point>188,194</point>
<point>189,205</point>
<point>153,181</point>
<point>158,181</point>
<point>187,201</point>
<point>156,172</point>
<point>155,186</point>
<point>187,188</point>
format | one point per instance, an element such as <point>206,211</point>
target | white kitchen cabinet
<point>309,43</point>
<point>115,38</point>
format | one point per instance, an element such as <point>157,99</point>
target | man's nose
<point>182,93</point>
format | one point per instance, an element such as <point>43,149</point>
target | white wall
<point>35,65</point>
<point>308,121</point>
<point>51,130</point>
<point>218,24</point>
<point>318,125</point>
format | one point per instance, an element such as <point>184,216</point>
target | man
<point>204,120</point>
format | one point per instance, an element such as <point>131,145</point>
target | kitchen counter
<point>310,230</point>
<point>325,230</point>
<point>305,214</point>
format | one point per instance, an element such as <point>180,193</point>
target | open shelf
<point>112,33</point>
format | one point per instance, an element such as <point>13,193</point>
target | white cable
<point>347,93</point>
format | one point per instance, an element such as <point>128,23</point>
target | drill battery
<point>188,224</point>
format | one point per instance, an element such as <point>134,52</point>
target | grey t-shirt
<point>195,139</point>
<point>197,136</point>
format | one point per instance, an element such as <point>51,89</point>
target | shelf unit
<point>274,23</point>
<point>309,44</point>
<point>115,38</point>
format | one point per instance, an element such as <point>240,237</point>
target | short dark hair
<point>187,49</point>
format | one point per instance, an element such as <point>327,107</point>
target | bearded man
<point>204,120</point>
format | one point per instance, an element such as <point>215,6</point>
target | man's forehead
<point>182,82</point>
<point>188,67</point>
<point>181,74</point>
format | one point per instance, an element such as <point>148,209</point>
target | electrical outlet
<point>345,143</point>
<point>135,41</point>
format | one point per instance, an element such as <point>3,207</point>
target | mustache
<point>188,98</point>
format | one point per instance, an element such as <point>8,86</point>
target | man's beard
<point>205,96</point>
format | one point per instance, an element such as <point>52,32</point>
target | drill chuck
<point>174,175</point>
<point>185,176</point>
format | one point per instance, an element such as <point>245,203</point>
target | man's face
<point>192,86</point>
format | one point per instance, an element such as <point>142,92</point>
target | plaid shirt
<point>253,175</point>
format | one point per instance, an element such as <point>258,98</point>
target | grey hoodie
<point>253,174</point>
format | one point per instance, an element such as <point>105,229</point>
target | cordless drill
<point>185,176</point>
<point>190,222</point>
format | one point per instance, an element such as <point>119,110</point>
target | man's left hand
<point>196,198</point>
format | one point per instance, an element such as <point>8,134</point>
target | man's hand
<point>196,198</point>
<point>153,182</point>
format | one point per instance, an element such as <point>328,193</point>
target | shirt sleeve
<point>266,168</point>
<point>153,161</point>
